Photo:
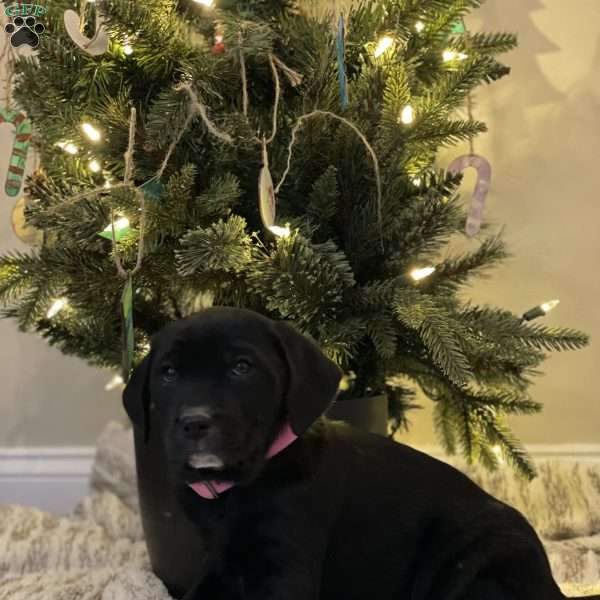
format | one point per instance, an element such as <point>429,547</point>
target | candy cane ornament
<point>482,187</point>
<point>18,157</point>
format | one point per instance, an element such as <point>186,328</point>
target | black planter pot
<point>370,414</point>
<point>171,537</point>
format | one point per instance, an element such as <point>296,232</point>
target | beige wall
<point>544,125</point>
<point>46,399</point>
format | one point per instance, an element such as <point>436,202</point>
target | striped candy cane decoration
<point>18,157</point>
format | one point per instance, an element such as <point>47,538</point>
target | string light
<point>419,26</point>
<point>417,181</point>
<point>68,147</point>
<point>383,45</point>
<point>419,274</point>
<point>551,305</point>
<point>540,311</point>
<point>449,55</point>
<point>120,224</point>
<point>57,307</point>
<point>108,184</point>
<point>91,132</point>
<point>208,3</point>
<point>498,452</point>
<point>280,231</point>
<point>94,166</point>
<point>128,49</point>
<point>407,116</point>
<point>117,381</point>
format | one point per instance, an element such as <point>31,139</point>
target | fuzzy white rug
<point>98,552</point>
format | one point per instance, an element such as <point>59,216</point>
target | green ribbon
<point>128,330</point>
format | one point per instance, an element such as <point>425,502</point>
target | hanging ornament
<point>26,233</point>
<point>266,193</point>
<point>459,28</point>
<point>341,59</point>
<point>74,23</point>
<point>219,46</point>
<point>482,187</point>
<point>122,229</point>
<point>18,157</point>
<point>128,330</point>
<point>153,188</point>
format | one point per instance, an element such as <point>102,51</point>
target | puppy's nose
<point>195,428</point>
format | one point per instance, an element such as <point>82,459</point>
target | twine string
<point>129,166</point>
<point>245,99</point>
<point>198,107</point>
<point>469,46</point>
<point>326,113</point>
<point>277,97</point>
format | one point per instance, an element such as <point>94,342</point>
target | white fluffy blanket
<point>98,552</point>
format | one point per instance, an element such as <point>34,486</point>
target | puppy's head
<point>217,388</point>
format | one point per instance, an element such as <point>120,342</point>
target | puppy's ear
<point>313,378</point>
<point>136,396</point>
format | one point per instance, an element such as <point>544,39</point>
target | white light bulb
<point>107,184</point>
<point>418,274</point>
<point>122,223</point>
<point>280,231</point>
<point>68,147</point>
<point>384,44</point>
<point>205,2</point>
<point>91,132</point>
<point>407,116</point>
<point>116,381</point>
<point>417,181</point>
<point>419,26</point>
<point>498,452</point>
<point>448,55</point>
<point>56,307</point>
<point>128,49</point>
<point>94,166</point>
<point>548,306</point>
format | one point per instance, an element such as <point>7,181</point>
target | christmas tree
<point>249,153</point>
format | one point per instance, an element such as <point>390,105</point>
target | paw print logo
<point>24,31</point>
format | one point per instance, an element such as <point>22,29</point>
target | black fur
<point>340,514</point>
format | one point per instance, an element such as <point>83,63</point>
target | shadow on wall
<point>544,125</point>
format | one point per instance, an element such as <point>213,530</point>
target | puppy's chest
<point>229,525</point>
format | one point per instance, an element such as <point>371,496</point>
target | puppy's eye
<point>168,373</point>
<point>241,367</point>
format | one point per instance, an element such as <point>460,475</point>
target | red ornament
<point>219,46</point>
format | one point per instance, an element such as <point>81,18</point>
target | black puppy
<point>235,507</point>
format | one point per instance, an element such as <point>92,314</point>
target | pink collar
<point>210,490</point>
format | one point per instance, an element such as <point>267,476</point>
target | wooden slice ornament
<point>27,234</point>
<point>266,192</point>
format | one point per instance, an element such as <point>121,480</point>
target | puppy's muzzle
<point>195,428</point>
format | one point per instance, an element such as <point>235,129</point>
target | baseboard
<point>55,479</point>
